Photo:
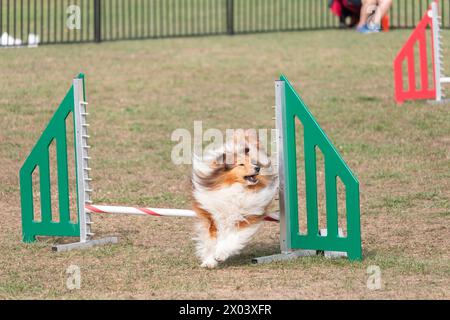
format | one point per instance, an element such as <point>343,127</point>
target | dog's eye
<point>247,150</point>
<point>241,164</point>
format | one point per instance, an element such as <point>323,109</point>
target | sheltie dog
<point>233,186</point>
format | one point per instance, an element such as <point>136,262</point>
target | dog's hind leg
<point>232,242</point>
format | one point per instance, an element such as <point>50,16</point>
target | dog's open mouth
<point>252,179</point>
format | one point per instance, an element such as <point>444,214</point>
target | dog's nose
<point>257,169</point>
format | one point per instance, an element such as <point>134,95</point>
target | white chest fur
<point>233,203</point>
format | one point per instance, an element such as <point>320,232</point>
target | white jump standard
<point>438,51</point>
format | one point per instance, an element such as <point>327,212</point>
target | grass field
<point>140,91</point>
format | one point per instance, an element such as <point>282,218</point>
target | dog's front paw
<point>221,255</point>
<point>209,263</point>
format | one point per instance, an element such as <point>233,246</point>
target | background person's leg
<point>382,10</point>
<point>366,10</point>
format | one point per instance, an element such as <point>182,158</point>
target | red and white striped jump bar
<point>158,212</point>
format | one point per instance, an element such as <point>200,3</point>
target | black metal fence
<point>71,21</point>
